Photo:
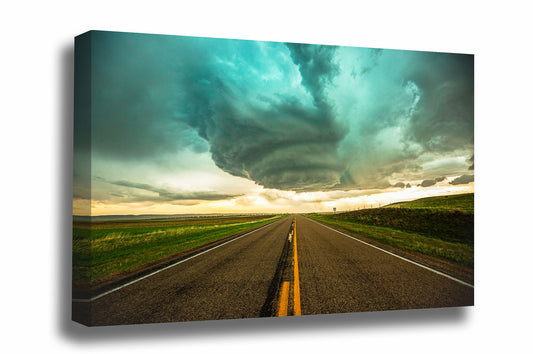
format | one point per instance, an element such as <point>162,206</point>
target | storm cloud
<point>284,140</point>
<point>286,116</point>
<point>444,118</point>
<point>464,179</point>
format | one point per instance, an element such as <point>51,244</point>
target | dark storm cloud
<point>471,160</point>
<point>134,96</point>
<point>159,94</point>
<point>278,141</point>
<point>444,118</point>
<point>272,112</point>
<point>464,179</point>
<point>285,146</point>
<point>317,68</point>
<point>411,108</point>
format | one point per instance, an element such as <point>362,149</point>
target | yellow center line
<point>297,309</point>
<point>285,306</point>
<point>284,299</point>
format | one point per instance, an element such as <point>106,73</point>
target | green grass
<point>461,202</point>
<point>100,249</point>
<point>436,226</point>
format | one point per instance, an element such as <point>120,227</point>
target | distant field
<point>103,248</point>
<point>461,202</point>
<point>437,226</point>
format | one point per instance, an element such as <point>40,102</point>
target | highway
<point>294,266</point>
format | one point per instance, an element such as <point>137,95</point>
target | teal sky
<point>184,124</point>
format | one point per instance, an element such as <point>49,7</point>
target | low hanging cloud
<point>432,182</point>
<point>464,179</point>
<point>428,182</point>
<point>164,195</point>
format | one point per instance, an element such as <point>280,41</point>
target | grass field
<point>461,202</point>
<point>104,248</point>
<point>437,226</point>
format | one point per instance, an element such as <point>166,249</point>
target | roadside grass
<point>106,249</point>
<point>451,225</point>
<point>436,226</point>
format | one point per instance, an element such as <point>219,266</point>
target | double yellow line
<point>285,286</point>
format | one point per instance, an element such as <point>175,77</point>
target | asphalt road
<point>339,274</point>
<point>242,278</point>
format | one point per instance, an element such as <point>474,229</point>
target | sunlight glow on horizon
<point>287,202</point>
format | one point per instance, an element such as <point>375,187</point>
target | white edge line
<point>170,266</point>
<point>395,255</point>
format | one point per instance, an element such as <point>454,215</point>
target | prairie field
<point>104,248</point>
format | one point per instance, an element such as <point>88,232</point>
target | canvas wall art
<point>220,179</point>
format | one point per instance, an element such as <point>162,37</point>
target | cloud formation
<point>286,116</point>
<point>165,195</point>
<point>428,182</point>
<point>282,140</point>
<point>464,179</point>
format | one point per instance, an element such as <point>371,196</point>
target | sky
<point>173,124</point>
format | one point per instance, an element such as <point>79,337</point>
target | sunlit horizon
<point>301,202</point>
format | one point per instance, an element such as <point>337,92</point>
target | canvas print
<point>229,179</point>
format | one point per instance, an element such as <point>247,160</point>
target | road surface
<point>290,267</point>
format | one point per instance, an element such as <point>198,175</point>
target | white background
<point>36,110</point>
